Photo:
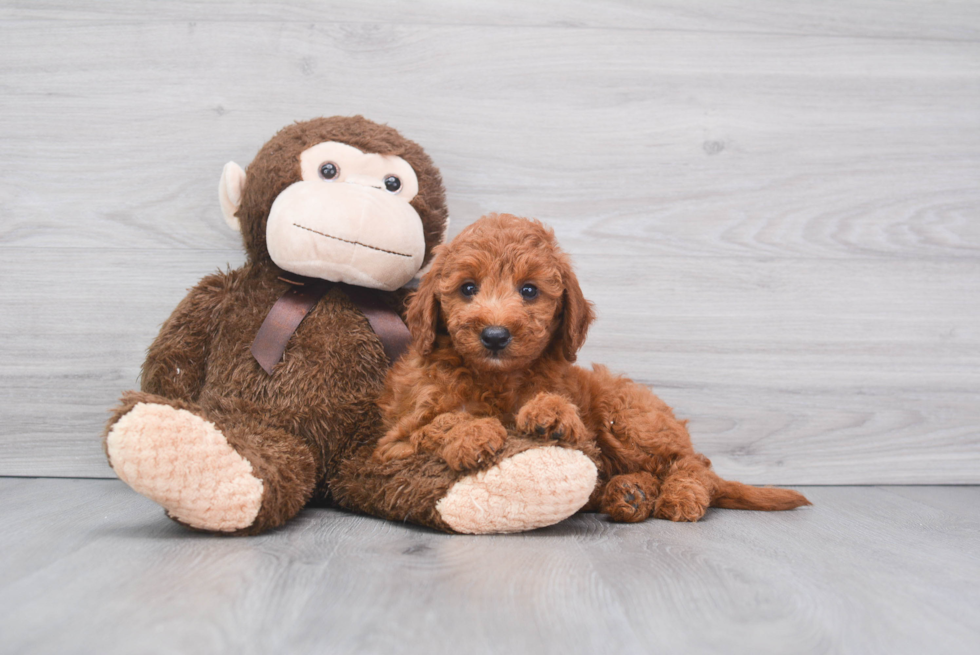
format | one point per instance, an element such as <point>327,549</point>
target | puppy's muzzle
<point>495,338</point>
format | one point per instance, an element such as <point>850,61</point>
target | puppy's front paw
<point>468,444</point>
<point>552,417</point>
<point>389,450</point>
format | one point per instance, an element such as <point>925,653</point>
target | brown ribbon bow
<point>302,296</point>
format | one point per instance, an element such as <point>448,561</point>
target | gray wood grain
<point>958,19</point>
<point>90,566</point>
<point>774,207</point>
<point>679,146</point>
<point>840,389</point>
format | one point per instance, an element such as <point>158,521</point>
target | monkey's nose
<point>495,338</point>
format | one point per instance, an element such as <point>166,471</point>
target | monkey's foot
<point>185,464</point>
<point>532,489</point>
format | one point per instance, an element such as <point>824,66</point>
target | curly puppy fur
<point>457,396</point>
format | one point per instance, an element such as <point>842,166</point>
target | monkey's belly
<point>328,380</point>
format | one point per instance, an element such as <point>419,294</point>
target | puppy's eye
<point>393,184</point>
<point>529,291</point>
<point>468,289</point>
<point>329,170</point>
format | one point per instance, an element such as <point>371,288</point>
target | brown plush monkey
<point>259,393</point>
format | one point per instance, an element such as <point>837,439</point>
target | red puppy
<point>496,325</point>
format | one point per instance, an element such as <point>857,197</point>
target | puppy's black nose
<point>495,337</point>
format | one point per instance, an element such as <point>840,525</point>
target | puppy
<point>496,325</point>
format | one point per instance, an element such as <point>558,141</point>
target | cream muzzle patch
<point>349,219</point>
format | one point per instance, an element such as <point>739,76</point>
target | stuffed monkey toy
<point>259,394</point>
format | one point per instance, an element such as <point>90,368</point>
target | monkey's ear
<point>230,193</point>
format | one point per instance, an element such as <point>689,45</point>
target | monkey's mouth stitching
<point>356,243</point>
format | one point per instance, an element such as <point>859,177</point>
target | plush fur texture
<point>186,464</point>
<point>210,429</point>
<point>508,497</point>
<point>297,425</point>
<point>454,396</point>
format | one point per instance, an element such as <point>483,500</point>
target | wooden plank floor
<point>88,566</point>
<point>774,206</point>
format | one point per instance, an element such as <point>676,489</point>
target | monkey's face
<point>348,219</point>
<point>340,198</point>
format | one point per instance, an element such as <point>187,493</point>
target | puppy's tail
<point>735,495</point>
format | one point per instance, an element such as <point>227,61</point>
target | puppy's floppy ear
<point>577,313</point>
<point>422,315</point>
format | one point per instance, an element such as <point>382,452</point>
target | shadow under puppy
<point>496,325</point>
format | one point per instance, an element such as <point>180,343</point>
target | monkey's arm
<point>176,362</point>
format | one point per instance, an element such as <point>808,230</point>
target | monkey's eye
<point>468,289</point>
<point>529,291</point>
<point>393,184</point>
<point>329,170</point>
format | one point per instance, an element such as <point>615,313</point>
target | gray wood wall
<point>775,206</point>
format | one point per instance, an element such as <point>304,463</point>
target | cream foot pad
<point>185,464</point>
<point>530,490</point>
